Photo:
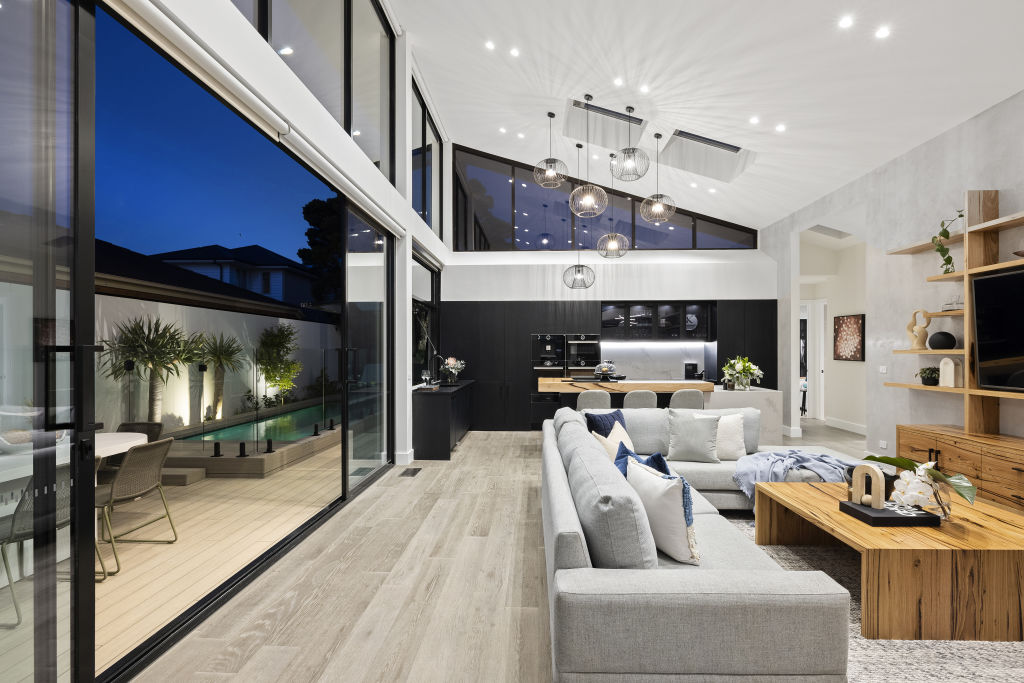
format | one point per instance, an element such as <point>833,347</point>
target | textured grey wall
<point>897,204</point>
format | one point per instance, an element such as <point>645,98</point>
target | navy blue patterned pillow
<point>602,423</point>
<point>655,461</point>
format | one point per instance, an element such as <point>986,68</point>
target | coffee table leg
<point>775,524</point>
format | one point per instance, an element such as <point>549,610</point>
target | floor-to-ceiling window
<point>426,296</point>
<point>371,108</point>
<point>38,316</point>
<point>310,37</point>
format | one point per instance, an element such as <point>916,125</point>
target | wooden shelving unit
<point>947,314</point>
<point>995,267</point>
<point>930,352</point>
<point>957,276</point>
<point>954,238</point>
<point>922,387</point>
<point>995,225</point>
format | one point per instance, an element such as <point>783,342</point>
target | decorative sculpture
<point>918,334</point>
<point>951,373</point>
<point>861,474</point>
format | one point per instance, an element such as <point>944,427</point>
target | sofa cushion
<point>566,414</point>
<point>722,546</point>
<point>669,508</point>
<point>701,505</point>
<point>573,438</point>
<point>751,423</point>
<point>614,441</point>
<point>707,476</point>
<point>730,444</point>
<point>602,423</point>
<point>612,516</point>
<point>647,428</point>
<point>565,545</point>
<point>655,461</point>
<point>692,436</point>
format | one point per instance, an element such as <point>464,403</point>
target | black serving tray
<point>888,516</point>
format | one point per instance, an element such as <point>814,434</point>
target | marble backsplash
<point>653,360</point>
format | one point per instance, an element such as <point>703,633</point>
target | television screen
<point>999,330</point>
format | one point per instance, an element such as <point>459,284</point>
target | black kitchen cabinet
<point>440,418</point>
<point>749,328</point>
<point>493,337</point>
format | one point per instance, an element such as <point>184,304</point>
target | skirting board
<point>404,457</point>
<point>792,432</point>
<point>848,426</point>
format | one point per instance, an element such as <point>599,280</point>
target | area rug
<point>905,661</point>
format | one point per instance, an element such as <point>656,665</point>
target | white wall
<point>844,294</point>
<point>182,392</point>
<point>897,204</point>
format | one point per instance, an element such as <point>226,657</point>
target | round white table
<point>112,443</point>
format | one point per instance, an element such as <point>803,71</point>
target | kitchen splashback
<point>653,360</point>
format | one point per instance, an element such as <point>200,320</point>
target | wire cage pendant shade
<point>658,207</point>
<point>579,276</point>
<point>632,162</point>
<point>587,200</point>
<point>551,172</point>
<point>613,245</point>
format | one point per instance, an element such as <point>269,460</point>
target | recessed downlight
<point>617,82</point>
<point>502,130</point>
<point>520,136</point>
<point>286,50</point>
<point>514,52</point>
<point>754,120</point>
<point>883,32</point>
<point>846,21</point>
<point>489,44</point>
<point>644,89</point>
<point>356,133</point>
<point>693,184</point>
<point>712,190</point>
<point>780,128</point>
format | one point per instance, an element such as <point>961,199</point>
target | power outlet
<point>882,443</point>
<point>883,369</point>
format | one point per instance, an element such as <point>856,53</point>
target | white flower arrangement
<point>453,366</point>
<point>922,484</point>
<point>740,370</point>
<point>914,487</point>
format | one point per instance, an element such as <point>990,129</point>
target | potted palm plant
<point>157,351</point>
<point>224,353</point>
<point>273,357</point>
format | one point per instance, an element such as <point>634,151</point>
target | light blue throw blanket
<point>756,467</point>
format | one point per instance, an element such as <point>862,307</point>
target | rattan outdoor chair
<point>138,476</point>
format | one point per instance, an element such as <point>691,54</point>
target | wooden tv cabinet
<point>993,462</point>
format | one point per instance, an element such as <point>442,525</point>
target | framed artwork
<point>848,337</point>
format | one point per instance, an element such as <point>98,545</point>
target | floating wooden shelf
<point>947,314</point>
<point>922,387</point>
<point>1005,265</point>
<point>1014,220</point>
<point>957,275</point>
<point>996,394</point>
<point>954,238</point>
<point>931,352</point>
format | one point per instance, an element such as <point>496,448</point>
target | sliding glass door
<point>37,246</point>
<point>367,350</point>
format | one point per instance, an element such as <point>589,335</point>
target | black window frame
<point>425,189</point>
<point>461,235</point>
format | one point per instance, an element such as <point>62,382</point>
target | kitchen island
<point>567,385</point>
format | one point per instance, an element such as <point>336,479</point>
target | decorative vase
<point>727,385</point>
<point>930,381</point>
<point>941,496</point>
<point>941,341</point>
<point>742,383</point>
<point>451,380</point>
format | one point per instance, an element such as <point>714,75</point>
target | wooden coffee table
<point>963,580</point>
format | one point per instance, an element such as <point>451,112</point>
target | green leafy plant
<point>223,353</point>
<point>957,482</point>
<point>937,241</point>
<point>157,351</point>
<point>742,370</point>
<point>273,357</point>
<point>929,375</point>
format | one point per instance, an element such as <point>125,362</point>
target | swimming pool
<point>290,426</point>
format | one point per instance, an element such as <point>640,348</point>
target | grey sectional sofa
<point>621,611</point>
<point>648,429</point>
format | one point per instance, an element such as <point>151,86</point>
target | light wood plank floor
<point>437,577</point>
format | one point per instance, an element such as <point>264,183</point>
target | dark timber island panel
<point>440,418</point>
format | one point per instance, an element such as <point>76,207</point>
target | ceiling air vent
<point>829,232</point>
<point>705,156</point>
<point>607,127</point>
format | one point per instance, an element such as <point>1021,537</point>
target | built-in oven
<point>548,352</point>
<point>582,351</point>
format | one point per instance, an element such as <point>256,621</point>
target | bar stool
<point>687,398</point>
<point>640,398</point>
<point>594,398</point>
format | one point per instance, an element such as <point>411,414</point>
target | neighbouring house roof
<point>252,255</point>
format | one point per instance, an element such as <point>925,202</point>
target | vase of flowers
<point>740,371</point>
<point>451,369</point>
<point>924,486</point>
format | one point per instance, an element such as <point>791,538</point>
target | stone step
<point>181,476</point>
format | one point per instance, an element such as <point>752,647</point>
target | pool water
<point>290,426</point>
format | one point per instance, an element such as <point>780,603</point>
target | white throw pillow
<point>730,444</point>
<point>611,442</point>
<point>665,500</point>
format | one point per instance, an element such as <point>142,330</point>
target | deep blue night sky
<point>176,168</point>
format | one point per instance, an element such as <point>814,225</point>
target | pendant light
<point>632,162</point>
<point>550,172</point>
<point>588,200</point>
<point>657,208</point>
<point>612,244</point>
<point>578,276</point>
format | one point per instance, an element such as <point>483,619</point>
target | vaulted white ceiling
<point>849,101</point>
